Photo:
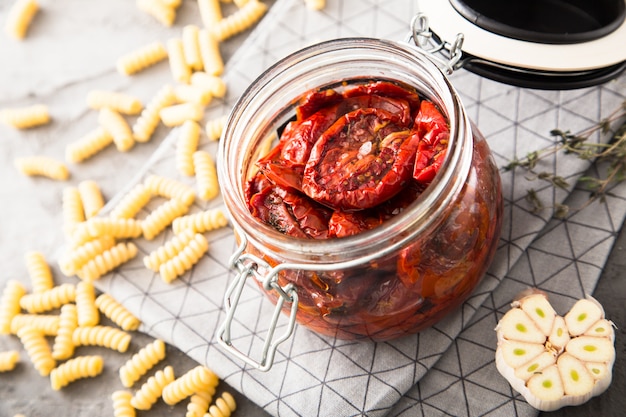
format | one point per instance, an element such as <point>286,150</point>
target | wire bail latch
<point>434,47</point>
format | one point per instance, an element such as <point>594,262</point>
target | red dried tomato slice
<point>434,134</point>
<point>385,89</point>
<point>363,159</point>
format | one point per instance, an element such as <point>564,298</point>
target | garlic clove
<point>516,325</point>
<point>583,315</point>
<point>538,308</point>
<point>546,386</point>
<point>591,349</point>
<point>516,353</point>
<point>559,337</point>
<point>602,328</point>
<point>576,379</point>
<point>535,365</point>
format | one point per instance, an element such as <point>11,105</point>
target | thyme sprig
<point>611,154</point>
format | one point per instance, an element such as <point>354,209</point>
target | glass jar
<point>397,278</point>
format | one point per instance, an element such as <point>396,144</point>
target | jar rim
<point>249,117</point>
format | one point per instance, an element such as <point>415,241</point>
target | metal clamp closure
<point>435,47</point>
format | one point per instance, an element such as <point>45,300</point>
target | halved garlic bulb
<point>555,361</point>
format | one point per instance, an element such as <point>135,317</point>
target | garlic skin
<point>555,361</point>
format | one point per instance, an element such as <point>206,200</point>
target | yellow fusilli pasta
<point>37,349</point>
<point>141,58</point>
<point>89,145</point>
<point>201,222</point>
<point>76,258</point>
<point>194,380</point>
<point>25,117</point>
<point>163,13</point>
<point>162,217</point>
<point>167,251</point>
<point>9,359</point>
<point>117,313</point>
<point>20,16</point>
<point>191,48</point>
<point>120,102</point>
<point>146,123</point>
<point>315,4</point>
<point>50,299</point>
<point>73,212</point>
<point>91,197</point>
<point>42,166</point>
<point>185,259</point>
<point>103,336</point>
<point>152,389</point>
<point>63,346</point>
<point>115,227</point>
<point>224,406</point>
<point>10,304</point>
<point>212,60</point>
<point>132,202</point>
<point>177,114</point>
<point>48,325</point>
<point>107,261</point>
<point>121,404</point>
<point>88,314</point>
<point>240,3</point>
<point>141,362</point>
<point>170,188</point>
<point>181,72</point>
<point>199,402</point>
<point>116,125</point>
<point>210,12</point>
<point>74,369</point>
<point>186,145</point>
<point>214,127</point>
<point>239,21</point>
<point>213,83</point>
<point>39,271</point>
<point>187,93</point>
<point>206,175</point>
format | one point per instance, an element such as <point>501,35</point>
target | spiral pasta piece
<point>239,21</point>
<point>146,123</point>
<point>50,299</point>
<point>91,196</point>
<point>73,213</point>
<point>117,313</point>
<point>199,402</point>
<point>107,261</point>
<point>42,166</point>
<point>141,362</point>
<point>103,336</point>
<point>116,125</point>
<point>163,13</point>
<point>10,304</point>
<point>77,257</point>
<point>152,389</point>
<point>191,49</point>
<point>25,117</point>
<point>214,127</point>
<point>37,349</point>
<point>177,114</point>
<point>63,346</point>
<point>88,314</point>
<point>162,217</point>
<point>315,4</point>
<point>181,72</point>
<point>20,16</point>
<point>195,380</point>
<point>74,369</point>
<point>214,84</point>
<point>115,227</point>
<point>8,360</point>
<point>170,188</point>
<point>168,250</point>
<point>120,102</point>
<point>209,46</point>
<point>39,271</point>
<point>132,202</point>
<point>201,222</point>
<point>88,145</point>
<point>141,58</point>
<point>186,145</point>
<point>188,93</point>
<point>206,175</point>
<point>48,325</point>
<point>210,12</point>
<point>121,404</point>
<point>184,260</point>
<point>224,406</point>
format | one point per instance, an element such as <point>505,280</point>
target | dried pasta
<point>152,389</point>
<point>181,72</point>
<point>199,402</point>
<point>141,362</point>
<point>192,94</point>
<point>73,212</point>
<point>168,250</point>
<point>120,102</point>
<point>315,4</point>
<point>42,166</point>
<point>191,48</point>
<point>121,404</point>
<point>209,46</point>
<point>141,58</point>
<point>239,21</point>
<point>63,346</point>
<point>39,271</point>
<point>48,325</point>
<point>103,336</point>
<point>187,144</point>
<point>88,314</point>
<point>214,127</point>
<point>91,197</point>
<point>89,145</point>
<point>116,125</point>
<point>185,259</point>
<point>194,380</point>
<point>37,349</point>
<point>170,188</point>
<point>74,369</point>
<point>163,13</point>
<point>25,117</point>
<point>20,16</point>
<point>210,12</point>
<point>146,123</point>
<point>10,304</point>
<point>206,175</point>
<point>132,202</point>
<point>177,114</point>
<point>107,261</point>
<point>224,406</point>
<point>117,313</point>
<point>76,258</point>
<point>213,83</point>
<point>8,360</point>
<point>49,299</point>
<point>115,227</point>
<point>162,217</point>
<point>201,222</point>
<point>240,3</point>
